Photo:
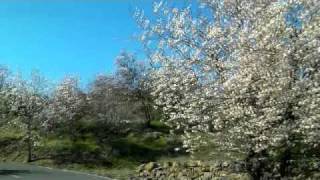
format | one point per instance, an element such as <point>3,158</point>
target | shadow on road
<point>13,172</point>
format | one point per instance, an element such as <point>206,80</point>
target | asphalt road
<point>29,172</point>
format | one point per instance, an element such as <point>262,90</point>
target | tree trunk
<point>284,163</point>
<point>147,113</point>
<point>148,116</point>
<point>29,140</point>
<point>255,164</point>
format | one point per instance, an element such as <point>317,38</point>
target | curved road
<point>29,172</point>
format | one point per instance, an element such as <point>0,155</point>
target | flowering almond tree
<point>67,107</point>
<point>28,100</point>
<point>189,64</point>
<point>4,95</point>
<point>244,71</point>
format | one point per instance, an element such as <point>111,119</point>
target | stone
<point>150,166</point>
<point>225,164</point>
<point>206,169</point>
<point>140,168</point>
<point>207,176</point>
<point>175,164</point>
<point>167,164</point>
<point>190,170</point>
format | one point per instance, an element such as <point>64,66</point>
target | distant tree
<point>4,74</point>
<point>4,95</point>
<point>111,104</point>
<point>67,107</point>
<point>134,76</point>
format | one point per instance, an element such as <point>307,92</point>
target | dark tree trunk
<point>284,163</point>
<point>256,164</point>
<point>146,110</point>
<point>148,116</point>
<point>29,140</point>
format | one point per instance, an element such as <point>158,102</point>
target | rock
<point>315,175</point>
<point>225,164</point>
<point>172,176</point>
<point>150,166</point>
<point>140,168</point>
<point>159,174</point>
<point>190,170</point>
<point>234,176</point>
<point>190,164</point>
<point>207,176</point>
<point>199,163</point>
<point>144,174</point>
<point>217,166</point>
<point>206,169</point>
<point>167,164</point>
<point>184,172</point>
<point>175,164</point>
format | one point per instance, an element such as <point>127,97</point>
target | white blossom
<point>248,72</point>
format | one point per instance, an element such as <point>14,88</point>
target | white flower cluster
<point>246,71</point>
<point>67,104</point>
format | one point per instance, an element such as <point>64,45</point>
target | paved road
<point>29,172</point>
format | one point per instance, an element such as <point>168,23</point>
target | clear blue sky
<point>73,37</point>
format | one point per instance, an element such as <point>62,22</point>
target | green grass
<point>11,139</point>
<point>159,126</point>
<point>134,149</point>
<point>131,151</point>
<point>66,144</point>
<point>147,142</point>
<point>12,134</point>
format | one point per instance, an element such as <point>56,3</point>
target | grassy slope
<point>151,145</point>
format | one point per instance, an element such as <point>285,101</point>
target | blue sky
<point>67,37</point>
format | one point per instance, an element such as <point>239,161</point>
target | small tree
<point>67,107</point>
<point>111,104</point>
<point>28,99</point>
<point>134,76</point>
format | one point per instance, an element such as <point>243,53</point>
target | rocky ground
<point>191,170</point>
